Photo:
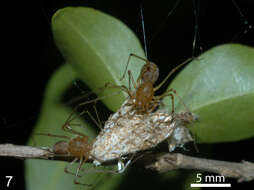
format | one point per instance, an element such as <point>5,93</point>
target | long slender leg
<point>86,95</point>
<point>90,115</point>
<point>122,87</point>
<point>154,103</point>
<point>93,170</point>
<point>52,135</point>
<point>67,167</point>
<point>121,167</point>
<point>172,102</point>
<point>98,91</point>
<point>75,100</point>
<point>67,125</point>
<point>169,93</point>
<point>172,71</point>
<point>72,116</point>
<point>131,79</point>
<point>77,173</point>
<point>99,124</point>
<point>132,55</point>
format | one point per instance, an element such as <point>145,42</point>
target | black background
<point>29,57</point>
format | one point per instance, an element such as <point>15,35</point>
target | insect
<point>127,132</point>
<point>143,97</point>
<point>78,147</point>
<point>135,126</point>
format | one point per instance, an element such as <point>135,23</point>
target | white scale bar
<point>210,185</point>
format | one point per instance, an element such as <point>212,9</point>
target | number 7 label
<point>9,180</point>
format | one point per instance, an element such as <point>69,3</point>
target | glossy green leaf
<point>219,87</point>
<point>97,46</point>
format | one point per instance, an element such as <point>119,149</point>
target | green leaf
<point>219,87</point>
<point>97,46</point>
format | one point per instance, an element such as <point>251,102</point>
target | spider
<point>143,97</point>
<point>78,147</point>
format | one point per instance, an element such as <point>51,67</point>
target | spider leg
<point>81,161</point>
<point>129,58</point>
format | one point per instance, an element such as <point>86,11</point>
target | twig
<point>242,171</point>
<point>19,151</point>
<point>30,152</point>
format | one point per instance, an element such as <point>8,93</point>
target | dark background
<point>29,57</point>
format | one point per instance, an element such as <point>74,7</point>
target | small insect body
<point>77,147</point>
<point>143,96</point>
<point>61,148</point>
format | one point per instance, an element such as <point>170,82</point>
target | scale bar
<point>210,185</point>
